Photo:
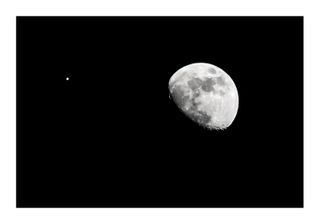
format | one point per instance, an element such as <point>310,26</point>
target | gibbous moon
<point>206,94</point>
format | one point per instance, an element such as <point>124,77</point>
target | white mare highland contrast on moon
<point>206,94</point>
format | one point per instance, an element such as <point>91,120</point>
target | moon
<point>206,94</point>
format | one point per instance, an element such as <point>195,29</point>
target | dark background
<point>112,137</point>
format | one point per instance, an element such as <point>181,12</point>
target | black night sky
<point>110,136</point>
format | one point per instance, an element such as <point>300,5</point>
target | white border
<point>10,9</point>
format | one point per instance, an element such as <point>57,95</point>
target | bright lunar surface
<point>206,94</point>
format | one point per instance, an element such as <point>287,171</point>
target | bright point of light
<point>67,78</point>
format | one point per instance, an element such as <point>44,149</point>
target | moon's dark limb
<point>192,111</point>
<point>179,96</point>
